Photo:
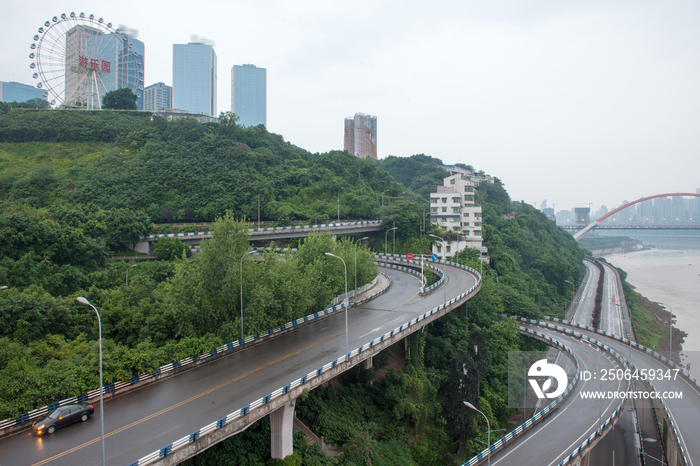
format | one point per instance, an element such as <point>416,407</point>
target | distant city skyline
<point>662,210</point>
<point>574,102</point>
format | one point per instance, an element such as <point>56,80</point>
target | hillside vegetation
<point>115,159</point>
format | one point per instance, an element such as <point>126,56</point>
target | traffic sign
<point>409,256</point>
<point>435,257</point>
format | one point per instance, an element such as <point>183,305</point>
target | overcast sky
<point>575,102</point>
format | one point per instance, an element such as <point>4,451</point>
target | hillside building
<point>18,92</point>
<point>360,138</point>
<point>194,78</point>
<point>452,208</point>
<point>158,96</point>
<point>249,94</point>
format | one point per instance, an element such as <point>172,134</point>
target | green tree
<point>120,99</point>
<point>170,248</point>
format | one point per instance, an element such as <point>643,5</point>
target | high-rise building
<point>18,92</point>
<point>97,63</point>
<point>249,94</point>
<point>157,96</point>
<point>453,208</point>
<point>132,61</point>
<point>194,78</point>
<point>361,135</point>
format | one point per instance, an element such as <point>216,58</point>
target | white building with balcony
<point>452,208</point>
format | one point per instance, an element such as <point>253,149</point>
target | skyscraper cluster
<point>195,85</point>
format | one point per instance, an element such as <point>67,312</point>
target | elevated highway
<point>143,426</point>
<point>682,413</point>
<point>267,234</point>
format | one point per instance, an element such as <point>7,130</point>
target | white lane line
<point>370,332</point>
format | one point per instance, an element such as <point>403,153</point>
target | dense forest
<point>76,187</point>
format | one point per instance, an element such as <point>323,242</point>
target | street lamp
<point>393,247</point>
<point>339,202</point>
<point>249,252</point>
<point>127,273</point>
<point>361,239</point>
<point>488,427</point>
<point>82,300</point>
<point>443,265</point>
<point>345,301</point>
<point>385,234</point>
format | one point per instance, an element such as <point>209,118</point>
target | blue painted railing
<point>254,231</point>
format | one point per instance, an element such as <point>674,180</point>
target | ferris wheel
<point>78,58</point>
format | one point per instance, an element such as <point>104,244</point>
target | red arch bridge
<point>676,226</point>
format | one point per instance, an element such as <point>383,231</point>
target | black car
<point>63,416</point>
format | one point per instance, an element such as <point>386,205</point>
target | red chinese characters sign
<point>95,64</point>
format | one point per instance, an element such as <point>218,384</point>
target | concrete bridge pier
<point>282,431</point>
<point>367,363</point>
<point>672,449</point>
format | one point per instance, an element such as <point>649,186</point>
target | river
<point>672,277</point>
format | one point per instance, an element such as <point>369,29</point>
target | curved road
<point>685,412</point>
<point>574,419</point>
<point>550,441</point>
<point>142,421</point>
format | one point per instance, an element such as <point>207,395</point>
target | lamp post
<point>393,247</point>
<point>361,239</point>
<point>127,273</point>
<point>488,427</point>
<point>385,234</point>
<point>345,301</point>
<point>443,265</point>
<point>339,202</point>
<point>82,300</point>
<point>243,256</point>
<point>258,209</point>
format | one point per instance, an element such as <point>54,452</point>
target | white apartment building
<point>452,208</point>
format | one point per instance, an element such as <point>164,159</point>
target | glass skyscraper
<point>18,92</point>
<point>97,63</point>
<point>249,94</point>
<point>194,78</point>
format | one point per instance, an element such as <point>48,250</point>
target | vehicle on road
<point>63,416</point>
